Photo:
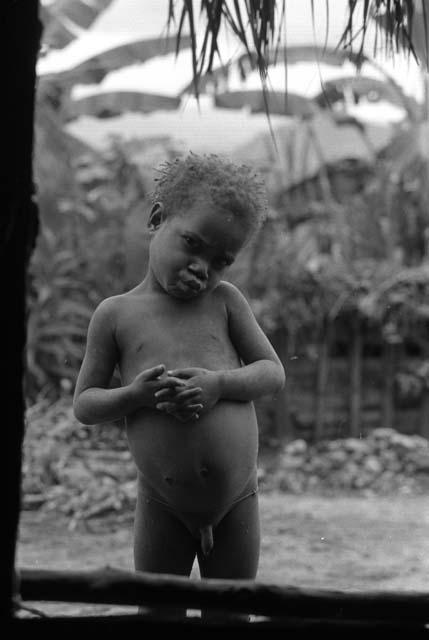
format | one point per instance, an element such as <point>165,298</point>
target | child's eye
<point>221,263</point>
<point>191,242</point>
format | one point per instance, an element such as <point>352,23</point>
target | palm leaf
<point>64,20</point>
<point>256,25</point>
<point>113,103</point>
<point>277,103</point>
<point>364,86</point>
<point>93,69</point>
<point>409,31</point>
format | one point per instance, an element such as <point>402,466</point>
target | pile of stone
<point>385,462</point>
<point>87,473</point>
<point>81,472</point>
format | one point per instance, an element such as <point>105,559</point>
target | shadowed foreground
<point>341,543</point>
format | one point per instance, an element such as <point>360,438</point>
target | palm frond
<point>63,20</point>
<point>94,69</point>
<point>257,25</point>
<point>402,24</point>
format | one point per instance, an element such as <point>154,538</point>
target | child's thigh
<point>235,554</point>
<point>162,544</point>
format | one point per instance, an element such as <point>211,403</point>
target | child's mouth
<point>184,290</point>
<point>192,285</point>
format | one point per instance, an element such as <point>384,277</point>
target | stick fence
<point>112,586</point>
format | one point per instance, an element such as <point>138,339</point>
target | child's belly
<point>196,466</point>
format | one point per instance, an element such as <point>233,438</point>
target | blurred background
<point>338,276</point>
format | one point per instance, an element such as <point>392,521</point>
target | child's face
<point>191,251</point>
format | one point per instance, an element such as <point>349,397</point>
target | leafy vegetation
<point>343,255</point>
<point>258,26</point>
<point>322,257</point>
<point>78,263</point>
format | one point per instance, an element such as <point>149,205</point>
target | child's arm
<point>262,373</point>
<point>93,401</point>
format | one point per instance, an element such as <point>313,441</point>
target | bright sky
<point>128,20</point>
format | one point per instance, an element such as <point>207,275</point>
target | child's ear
<point>156,217</point>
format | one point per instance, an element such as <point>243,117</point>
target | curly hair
<point>235,188</point>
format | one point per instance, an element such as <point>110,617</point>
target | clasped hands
<point>184,393</point>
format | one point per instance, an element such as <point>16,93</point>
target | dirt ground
<point>347,543</point>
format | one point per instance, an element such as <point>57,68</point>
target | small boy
<point>192,358</point>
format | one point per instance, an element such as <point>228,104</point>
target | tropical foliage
<point>258,25</point>
<point>64,20</point>
<point>76,264</point>
<point>347,254</point>
<point>323,258</point>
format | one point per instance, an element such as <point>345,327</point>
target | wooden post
<point>20,43</point>
<point>114,586</point>
<point>424,414</point>
<point>321,382</point>
<point>356,379</point>
<point>283,423</point>
<point>388,413</point>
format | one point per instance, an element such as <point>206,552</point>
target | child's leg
<point>162,544</point>
<point>235,554</point>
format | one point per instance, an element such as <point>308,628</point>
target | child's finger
<point>191,408</point>
<point>188,372</point>
<point>164,393</point>
<point>182,396</point>
<point>166,406</point>
<point>153,373</point>
<point>171,383</point>
<point>171,407</point>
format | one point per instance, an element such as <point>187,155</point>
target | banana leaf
<point>64,20</point>
<point>111,104</point>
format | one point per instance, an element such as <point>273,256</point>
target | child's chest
<point>190,335</point>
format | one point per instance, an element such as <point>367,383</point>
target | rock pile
<point>385,462</point>
<point>87,473</point>
<point>84,473</point>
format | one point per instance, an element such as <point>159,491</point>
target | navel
<point>168,480</point>
<point>204,472</point>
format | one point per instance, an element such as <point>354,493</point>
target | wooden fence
<point>272,606</point>
<point>330,396</point>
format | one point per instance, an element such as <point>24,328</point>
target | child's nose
<point>199,268</point>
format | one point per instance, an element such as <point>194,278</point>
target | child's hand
<point>184,407</point>
<point>147,383</point>
<point>202,388</point>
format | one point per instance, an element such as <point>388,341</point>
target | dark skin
<point>168,391</point>
<point>192,358</point>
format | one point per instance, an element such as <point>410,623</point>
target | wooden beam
<point>389,369</point>
<point>111,625</point>
<point>355,402</point>
<point>322,381</point>
<point>112,586</point>
<point>424,414</point>
<point>20,29</point>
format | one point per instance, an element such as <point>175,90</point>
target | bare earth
<point>346,543</point>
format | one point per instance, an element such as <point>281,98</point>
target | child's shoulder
<point>114,307</point>
<point>108,308</point>
<point>109,304</point>
<point>229,293</point>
